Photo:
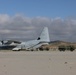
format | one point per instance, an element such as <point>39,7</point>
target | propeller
<point>2,41</point>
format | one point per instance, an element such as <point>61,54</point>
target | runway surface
<point>37,63</point>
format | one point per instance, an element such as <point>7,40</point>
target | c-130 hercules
<point>29,45</point>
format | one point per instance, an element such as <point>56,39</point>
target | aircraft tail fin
<point>44,35</point>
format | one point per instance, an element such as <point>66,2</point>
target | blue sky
<point>33,8</point>
<point>21,18</point>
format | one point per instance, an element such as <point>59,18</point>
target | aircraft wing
<point>10,41</point>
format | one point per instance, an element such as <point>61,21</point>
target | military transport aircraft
<point>28,45</point>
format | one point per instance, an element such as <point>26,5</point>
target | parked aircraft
<point>32,44</point>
